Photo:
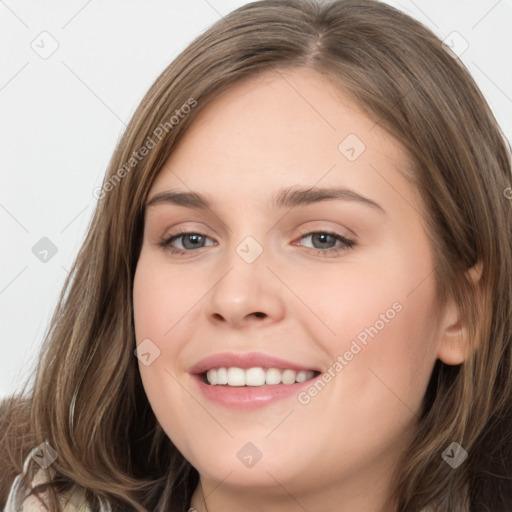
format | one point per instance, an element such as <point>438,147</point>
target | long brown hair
<point>88,401</point>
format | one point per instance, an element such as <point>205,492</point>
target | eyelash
<point>346,243</point>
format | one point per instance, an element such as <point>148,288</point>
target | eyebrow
<point>285,198</point>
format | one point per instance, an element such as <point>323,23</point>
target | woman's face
<point>306,252</point>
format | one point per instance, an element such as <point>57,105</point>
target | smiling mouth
<point>256,376</point>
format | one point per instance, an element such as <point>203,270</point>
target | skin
<point>338,451</point>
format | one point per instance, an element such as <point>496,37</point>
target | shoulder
<point>20,498</point>
<point>17,476</point>
<point>31,503</point>
<point>73,503</point>
<point>16,439</point>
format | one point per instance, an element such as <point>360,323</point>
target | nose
<point>247,294</point>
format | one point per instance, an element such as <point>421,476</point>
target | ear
<point>454,343</point>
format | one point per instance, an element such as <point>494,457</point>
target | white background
<point>62,116</point>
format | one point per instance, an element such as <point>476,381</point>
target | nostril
<point>258,314</point>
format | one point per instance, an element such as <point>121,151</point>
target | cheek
<point>155,305</point>
<point>162,296</point>
<point>380,360</point>
<point>374,322</point>
<point>165,303</point>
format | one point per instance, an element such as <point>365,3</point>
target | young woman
<point>296,290</point>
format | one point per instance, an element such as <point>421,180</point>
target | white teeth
<point>222,376</point>
<point>301,376</point>
<point>236,377</point>
<point>273,376</point>
<point>255,376</point>
<point>211,377</point>
<point>288,376</point>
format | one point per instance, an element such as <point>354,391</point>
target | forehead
<point>279,128</point>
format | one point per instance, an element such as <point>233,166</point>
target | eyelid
<point>331,231</point>
<point>321,226</point>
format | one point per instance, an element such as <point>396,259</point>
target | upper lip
<point>245,360</point>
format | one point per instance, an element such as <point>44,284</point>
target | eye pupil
<point>323,239</point>
<point>194,239</point>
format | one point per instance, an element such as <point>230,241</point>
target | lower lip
<point>249,397</point>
